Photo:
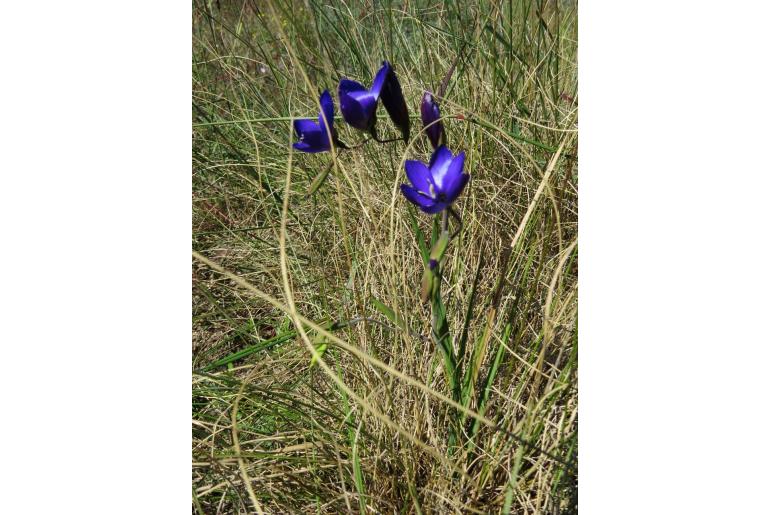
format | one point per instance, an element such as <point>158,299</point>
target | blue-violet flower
<point>313,136</point>
<point>436,186</point>
<point>359,104</point>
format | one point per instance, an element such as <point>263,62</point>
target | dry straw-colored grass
<point>366,428</point>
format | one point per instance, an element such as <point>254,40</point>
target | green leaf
<point>486,388</point>
<point>272,342</point>
<point>390,314</point>
<point>468,314</point>
<point>321,349</point>
<point>426,288</point>
<point>424,252</point>
<point>319,179</point>
<point>438,250</point>
<point>443,340</point>
<point>436,230</point>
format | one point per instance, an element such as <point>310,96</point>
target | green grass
<point>280,275</point>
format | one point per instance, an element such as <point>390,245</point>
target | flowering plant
<point>434,187</point>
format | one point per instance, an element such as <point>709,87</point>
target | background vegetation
<point>278,272</point>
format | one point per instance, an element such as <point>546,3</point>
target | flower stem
<point>387,140</point>
<point>459,221</point>
<point>344,146</point>
<point>439,323</point>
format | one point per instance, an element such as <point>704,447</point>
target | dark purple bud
<point>430,113</point>
<point>393,100</point>
<point>432,264</point>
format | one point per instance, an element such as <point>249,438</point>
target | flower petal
<point>456,187</point>
<point>379,79</point>
<point>454,175</point>
<point>439,165</point>
<point>367,99</point>
<point>327,108</point>
<point>417,198</point>
<point>393,100</point>
<point>304,125</point>
<point>357,104</point>
<point>419,175</point>
<point>311,137</point>
<point>302,146</point>
<point>348,86</point>
<point>312,147</point>
<point>435,208</point>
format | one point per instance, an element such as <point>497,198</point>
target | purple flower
<point>430,113</point>
<point>313,137</point>
<point>359,105</point>
<point>436,186</point>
